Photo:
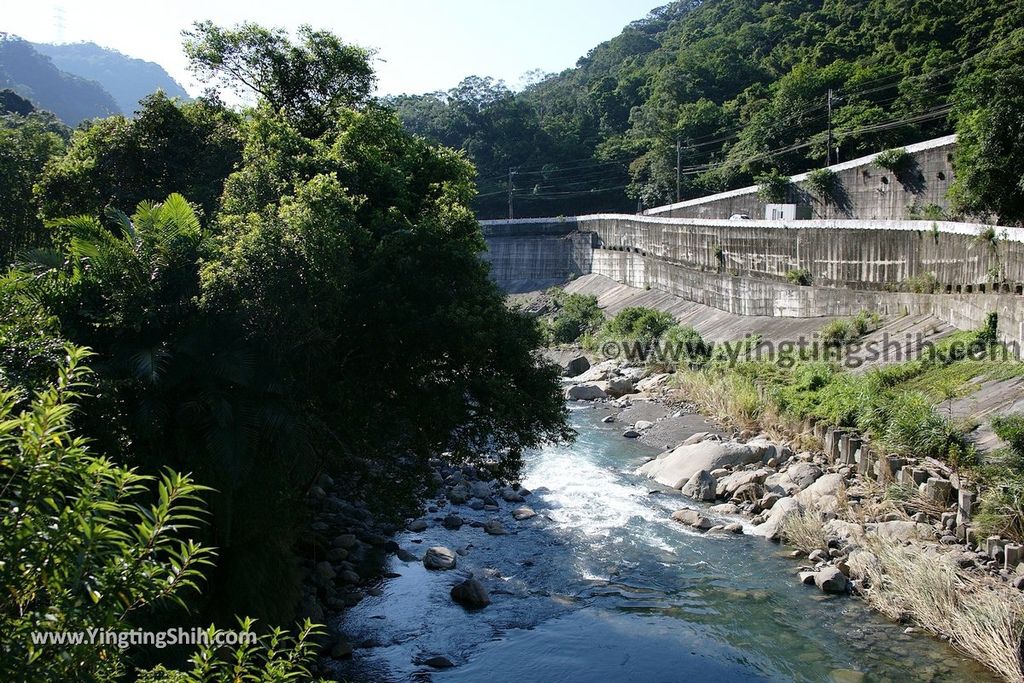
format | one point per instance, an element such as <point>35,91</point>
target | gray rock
<point>405,556</point>
<point>453,522</point>
<point>631,434</point>
<point>510,495</point>
<point>701,487</point>
<point>608,419</point>
<point>417,525</point>
<point>471,593</point>
<point>519,514</point>
<point>902,530</point>
<point>479,489</point>
<point>831,580</point>
<point>438,662</point>
<point>772,524</point>
<point>439,557</point>
<point>641,425</point>
<point>733,528</point>
<point>692,518</point>
<point>575,366</point>
<point>495,528</point>
<point>803,474</point>
<point>807,578</point>
<point>350,577</point>
<point>822,494</point>
<point>586,392</point>
<point>675,468</point>
<point>620,386</point>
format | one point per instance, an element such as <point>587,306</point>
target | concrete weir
<point>753,268</point>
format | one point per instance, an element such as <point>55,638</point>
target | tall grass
<point>805,531</point>
<point>730,397</point>
<point>981,617</point>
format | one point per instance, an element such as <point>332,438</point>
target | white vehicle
<point>739,217</point>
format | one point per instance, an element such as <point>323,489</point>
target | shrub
<point>84,543</point>
<point>824,183</point>
<point>642,325</point>
<point>1002,507</point>
<point>894,160</point>
<point>925,283</point>
<point>799,276</point>
<point>772,187</point>
<point>906,423</point>
<point>838,333</point>
<point>805,531</point>
<point>578,315</point>
<point>684,344</point>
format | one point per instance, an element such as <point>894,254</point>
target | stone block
<point>1012,555</point>
<point>963,509</point>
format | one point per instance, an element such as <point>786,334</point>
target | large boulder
<point>675,468</point>
<point>471,593</point>
<point>586,392</point>
<point>903,530</point>
<point>692,518</point>
<point>479,489</point>
<point>439,557</point>
<point>620,386</point>
<point>772,526</point>
<point>823,493</point>
<point>701,486</point>
<point>575,366</point>
<point>729,484</point>
<point>803,474</point>
<point>599,372</point>
<point>831,580</point>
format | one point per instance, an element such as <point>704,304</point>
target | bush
<point>638,324</point>
<point>85,543</point>
<point>805,531</point>
<point>683,344</point>
<point>844,332</point>
<point>577,315</point>
<point>824,183</point>
<point>772,187</point>
<point>925,283</point>
<point>894,160</point>
<point>799,276</point>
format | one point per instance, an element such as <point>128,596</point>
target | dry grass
<point>981,617</point>
<point>805,531</point>
<point>729,398</point>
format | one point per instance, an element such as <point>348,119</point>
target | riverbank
<point>890,530</point>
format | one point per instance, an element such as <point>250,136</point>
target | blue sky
<point>423,46</point>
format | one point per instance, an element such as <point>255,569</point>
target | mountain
<point>33,76</point>
<point>126,78</point>
<point>741,86</point>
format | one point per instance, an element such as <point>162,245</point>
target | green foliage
<point>167,147</point>
<point>799,276</point>
<point>309,81</point>
<point>925,283</point>
<point>844,332</point>
<point>684,344</point>
<point>637,324</point>
<point>85,543</point>
<point>894,160</point>
<point>773,187</point>
<point>275,657</point>
<point>27,143</point>
<point>824,183</point>
<point>577,315</point>
<point>989,157</point>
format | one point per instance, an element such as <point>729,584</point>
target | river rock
<point>620,386</point>
<point>586,392</point>
<point>510,495</point>
<point>725,509</point>
<point>438,662</point>
<point>803,474</point>
<point>471,593</point>
<point>599,372</point>
<point>701,486</point>
<point>823,493</point>
<point>458,495</point>
<point>406,556</point>
<point>495,528</point>
<point>772,524</point>
<point>519,514</point>
<point>417,525</point>
<point>439,557</point>
<point>692,518</point>
<point>675,468</point>
<point>831,580</point>
<point>631,434</point>
<point>641,425</point>
<point>902,530</point>
<point>479,489</point>
<point>575,366</point>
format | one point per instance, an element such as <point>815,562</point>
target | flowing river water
<point>603,586</point>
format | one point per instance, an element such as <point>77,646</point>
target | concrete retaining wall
<point>527,257</point>
<point>866,190</point>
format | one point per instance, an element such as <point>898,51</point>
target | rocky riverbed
<point>593,568</point>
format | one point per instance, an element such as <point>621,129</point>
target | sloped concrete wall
<point>866,190</point>
<point>531,256</point>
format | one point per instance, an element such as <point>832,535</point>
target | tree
<point>27,143</point>
<point>168,147</point>
<point>309,81</point>
<point>989,158</point>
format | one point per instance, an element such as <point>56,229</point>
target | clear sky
<point>423,46</point>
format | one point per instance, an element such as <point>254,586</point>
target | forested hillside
<point>743,86</point>
<point>34,76</point>
<point>126,78</point>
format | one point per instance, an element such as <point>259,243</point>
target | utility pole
<point>511,173</point>
<point>678,157</point>
<point>828,149</point>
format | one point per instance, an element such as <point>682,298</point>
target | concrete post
<point>963,507</point>
<point>866,462</point>
<point>1012,555</point>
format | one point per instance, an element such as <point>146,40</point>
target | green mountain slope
<point>34,77</point>
<point>742,85</point>
<point>126,78</point>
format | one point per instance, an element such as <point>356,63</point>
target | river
<point>602,586</point>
